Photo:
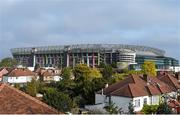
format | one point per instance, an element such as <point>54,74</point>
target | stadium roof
<point>90,47</point>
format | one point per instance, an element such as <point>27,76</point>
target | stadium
<point>92,55</point>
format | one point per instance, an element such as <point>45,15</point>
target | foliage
<point>95,73</point>
<point>66,73</point>
<point>58,100</point>
<point>164,109</point>
<point>149,109</point>
<point>114,65</point>
<point>17,86</point>
<point>131,108</point>
<point>102,65</point>
<point>134,72</point>
<point>112,109</point>
<point>118,77</point>
<point>149,68</point>
<point>8,62</point>
<point>107,71</point>
<point>81,72</point>
<point>31,88</point>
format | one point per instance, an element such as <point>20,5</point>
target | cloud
<point>52,22</point>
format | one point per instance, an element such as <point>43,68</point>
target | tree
<point>149,109</point>
<point>107,71</point>
<point>131,108</point>
<point>95,73</point>
<point>81,72</point>
<point>32,88</point>
<point>164,109</point>
<point>66,73</point>
<point>58,100</point>
<point>8,62</point>
<point>149,68</point>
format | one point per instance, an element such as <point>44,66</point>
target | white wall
<point>19,79</point>
<point>121,102</point>
<point>100,98</point>
<point>57,78</point>
<point>141,102</point>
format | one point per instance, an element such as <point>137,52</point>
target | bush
<point>149,109</point>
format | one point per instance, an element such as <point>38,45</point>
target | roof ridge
<point>119,88</point>
<point>130,90</point>
<point>171,80</point>
<point>31,98</point>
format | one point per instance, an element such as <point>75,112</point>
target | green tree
<point>8,62</point>
<point>131,108</point>
<point>66,73</point>
<point>31,88</point>
<point>107,71</point>
<point>95,73</point>
<point>150,109</point>
<point>164,109</point>
<point>149,68</point>
<point>58,100</point>
<point>81,72</point>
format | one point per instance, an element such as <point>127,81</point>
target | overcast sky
<point>154,23</point>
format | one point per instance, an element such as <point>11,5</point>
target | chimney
<point>102,92</point>
<point>177,75</point>
<point>145,77</point>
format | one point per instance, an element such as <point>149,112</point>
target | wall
<point>121,102</point>
<point>101,99</point>
<point>20,79</point>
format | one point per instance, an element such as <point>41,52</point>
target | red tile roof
<point>20,72</point>
<point>136,86</point>
<point>170,80</point>
<point>13,101</point>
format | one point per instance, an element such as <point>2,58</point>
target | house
<point>135,89</point>
<point>19,75</point>
<point>171,80</point>
<point>14,101</point>
<point>3,71</point>
<point>49,75</point>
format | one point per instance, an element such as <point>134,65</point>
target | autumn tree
<point>149,68</point>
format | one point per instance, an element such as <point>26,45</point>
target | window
<point>137,103</point>
<point>145,100</point>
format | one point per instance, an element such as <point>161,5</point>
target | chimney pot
<point>145,77</point>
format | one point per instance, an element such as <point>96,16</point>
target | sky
<point>27,23</point>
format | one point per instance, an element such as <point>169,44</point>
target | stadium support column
<point>67,60</point>
<point>34,50</point>
<point>93,60</point>
<point>87,56</point>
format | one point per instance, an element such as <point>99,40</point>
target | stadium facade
<point>92,55</point>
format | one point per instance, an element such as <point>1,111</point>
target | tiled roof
<point>170,80</point>
<point>20,72</point>
<point>136,86</point>
<point>13,101</point>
